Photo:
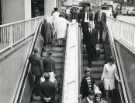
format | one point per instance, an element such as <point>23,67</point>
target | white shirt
<point>89,101</point>
<point>55,15</point>
<point>60,25</point>
<point>86,18</point>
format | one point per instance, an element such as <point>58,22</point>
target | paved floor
<point>11,68</point>
<point>129,19</point>
<point>128,62</point>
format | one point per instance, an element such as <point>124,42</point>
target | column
<point>27,7</point>
<point>49,5</point>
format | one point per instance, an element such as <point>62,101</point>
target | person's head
<point>87,8</point>
<point>55,9</point>
<point>46,76</point>
<point>49,53</point>
<point>36,50</point>
<point>91,95</point>
<point>61,14</point>
<point>98,97</point>
<point>110,60</point>
<point>87,71</point>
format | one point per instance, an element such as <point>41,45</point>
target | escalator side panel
<point>127,60</point>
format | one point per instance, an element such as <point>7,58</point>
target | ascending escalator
<point>59,56</point>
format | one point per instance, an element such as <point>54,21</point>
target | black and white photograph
<point>67,51</point>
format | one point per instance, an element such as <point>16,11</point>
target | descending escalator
<point>97,68</point>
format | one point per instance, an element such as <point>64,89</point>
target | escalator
<point>97,67</point>
<point>58,56</point>
<point>25,94</point>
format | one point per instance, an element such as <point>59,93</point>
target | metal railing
<point>123,32</point>
<point>122,86</point>
<point>72,66</point>
<point>13,33</point>
<point>18,95</point>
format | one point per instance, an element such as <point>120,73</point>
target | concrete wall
<point>14,10</point>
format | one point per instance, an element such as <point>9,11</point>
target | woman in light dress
<point>109,76</point>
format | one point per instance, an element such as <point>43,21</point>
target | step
<point>59,60</point>
<point>58,49</point>
<point>58,54</point>
<point>59,67</point>
<point>98,82</point>
<point>96,69</point>
<point>101,57</point>
<point>96,76</point>
<point>98,62</point>
<point>101,45</point>
<point>58,73</point>
<point>102,50</point>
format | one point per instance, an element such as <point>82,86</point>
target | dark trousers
<point>91,53</point>
<point>99,28</point>
<point>85,31</point>
<point>36,88</point>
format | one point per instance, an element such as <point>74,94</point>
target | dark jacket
<point>47,32</point>
<point>100,24</point>
<point>84,90</point>
<point>49,64</point>
<point>36,65</point>
<point>48,89</point>
<point>82,16</point>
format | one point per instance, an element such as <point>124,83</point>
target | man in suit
<point>48,90</point>
<point>49,63</point>
<point>85,17</point>
<point>100,22</point>
<point>36,68</point>
<point>49,66</point>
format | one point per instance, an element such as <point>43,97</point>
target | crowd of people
<point>53,32</point>
<point>94,30</point>
<point>92,93</point>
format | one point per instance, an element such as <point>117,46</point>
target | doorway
<point>37,8</point>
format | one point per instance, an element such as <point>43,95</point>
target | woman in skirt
<point>109,76</point>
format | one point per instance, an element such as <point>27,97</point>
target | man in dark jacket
<point>85,17</point>
<point>100,22</point>
<point>49,63</point>
<point>36,67</point>
<point>48,90</point>
<point>87,84</point>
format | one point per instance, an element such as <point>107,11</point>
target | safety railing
<point>122,86</point>
<point>13,33</point>
<point>72,66</point>
<point>19,90</point>
<point>123,32</point>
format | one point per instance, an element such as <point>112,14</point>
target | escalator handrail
<point>18,94</point>
<point>122,85</point>
<point>68,83</point>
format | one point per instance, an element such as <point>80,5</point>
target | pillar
<point>49,5</point>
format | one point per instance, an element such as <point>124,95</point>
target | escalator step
<point>99,62</point>
<point>58,55</point>
<point>57,49</point>
<point>97,70</point>
<point>96,75</point>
